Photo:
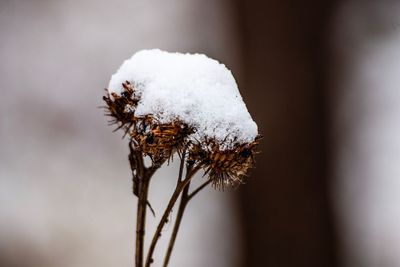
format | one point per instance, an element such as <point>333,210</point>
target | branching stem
<point>141,179</point>
<point>185,198</point>
<point>181,185</point>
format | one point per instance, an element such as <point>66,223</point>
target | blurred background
<point>320,79</point>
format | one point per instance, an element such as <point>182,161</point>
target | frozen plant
<point>187,104</point>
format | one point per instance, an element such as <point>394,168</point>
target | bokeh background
<point>321,79</point>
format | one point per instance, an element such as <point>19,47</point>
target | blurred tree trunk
<point>286,210</point>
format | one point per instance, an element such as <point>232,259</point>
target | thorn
<point>119,127</point>
<point>151,208</point>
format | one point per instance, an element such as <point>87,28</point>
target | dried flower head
<point>167,102</point>
<point>155,139</point>
<point>226,168</point>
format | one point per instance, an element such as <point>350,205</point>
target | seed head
<point>157,140</point>
<point>226,168</point>
<point>173,102</point>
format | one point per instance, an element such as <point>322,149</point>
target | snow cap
<point>191,88</point>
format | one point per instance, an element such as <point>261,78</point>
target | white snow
<point>189,87</point>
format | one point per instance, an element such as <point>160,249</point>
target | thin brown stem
<point>141,179</point>
<point>181,166</point>
<point>178,190</point>
<point>185,198</point>
<point>180,211</point>
<point>141,220</point>
<point>178,220</point>
<point>191,195</point>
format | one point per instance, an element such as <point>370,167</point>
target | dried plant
<point>149,137</point>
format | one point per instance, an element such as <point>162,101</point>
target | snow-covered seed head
<point>157,140</point>
<point>168,102</point>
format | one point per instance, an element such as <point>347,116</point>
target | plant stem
<point>141,219</point>
<point>179,188</point>
<point>141,179</point>
<point>178,220</point>
<point>179,214</point>
<point>181,166</point>
<point>185,198</point>
<point>191,195</point>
